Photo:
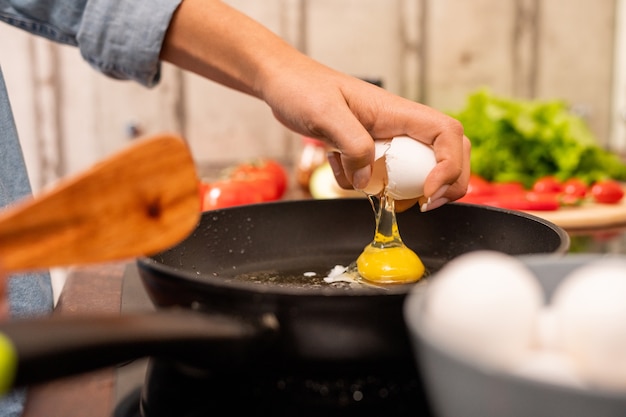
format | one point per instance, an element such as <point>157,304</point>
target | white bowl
<point>457,387</point>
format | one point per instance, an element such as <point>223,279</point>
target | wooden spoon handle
<point>139,201</point>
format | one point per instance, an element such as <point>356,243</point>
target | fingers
<point>350,114</point>
<point>449,179</point>
<point>334,159</point>
<point>352,162</point>
<point>448,185</point>
<point>395,116</point>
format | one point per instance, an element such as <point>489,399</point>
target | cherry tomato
<point>547,201</point>
<point>607,191</point>
<point>547,184</point>
<point>575,187</point>
<point>526,200</point>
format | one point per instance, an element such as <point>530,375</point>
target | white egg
<point>401,165</point>
<point>546,330</point>
<point>483,306</point>
<point>590,305</point>
<point>549,366</point>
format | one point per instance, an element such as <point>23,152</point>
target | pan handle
<point>38,350</point>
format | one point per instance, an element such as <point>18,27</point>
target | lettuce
<point>523,140</point>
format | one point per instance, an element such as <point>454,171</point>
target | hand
<point>315,100</point>
<point>350,114</point>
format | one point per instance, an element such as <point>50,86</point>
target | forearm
<point>214,40</point>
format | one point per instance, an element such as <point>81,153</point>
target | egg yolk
<point>387,260</point>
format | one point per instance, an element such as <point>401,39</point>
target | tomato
<point>575,187</point>
<point>203,188</point>
<point>478,186</point>
<point>245,183</point>
<point>546,201</point>
<point>509,195</point>
<point>547,184</point>
<point>263,182</point>
<point>511,187</point>
<point>607,191</point>
<point>279,173</point>
<point>270,176</point>
<point>230,192</point>
<point>525,201</point>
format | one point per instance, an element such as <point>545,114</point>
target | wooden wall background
<point>433,51</point>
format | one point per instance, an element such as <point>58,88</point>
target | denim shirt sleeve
<point>120,38</point>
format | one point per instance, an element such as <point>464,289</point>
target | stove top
<point>158,388</point>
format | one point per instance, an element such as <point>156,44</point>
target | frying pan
<point>233,292</point>
<point>253,261</point>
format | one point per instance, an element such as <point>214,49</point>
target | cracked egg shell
<point>401,165</point>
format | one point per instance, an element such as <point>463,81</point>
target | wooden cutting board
<point>587,216</point>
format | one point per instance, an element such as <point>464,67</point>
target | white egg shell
<point>379,170</point>
<point>590,305</point>
<point>401,165</point>
<point>550,366</point>
<point>547,330</point>
<point>483,306</point>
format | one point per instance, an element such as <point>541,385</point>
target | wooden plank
<point>617,140</point>
<point>576,57</point>
<point>359,37</point>
<point>117,105</point>
<point>224,125</point>
<point>469,46</point>
<point>412,18</point>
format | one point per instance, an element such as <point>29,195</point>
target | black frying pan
<point>214,311</point>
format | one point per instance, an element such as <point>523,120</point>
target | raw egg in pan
<point>400,168</point>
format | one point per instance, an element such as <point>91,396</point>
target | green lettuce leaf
<point>523,140</point>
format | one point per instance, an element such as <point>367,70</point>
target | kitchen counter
<point>98,290</point>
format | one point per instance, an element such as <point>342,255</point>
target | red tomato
<point>510,195</point>
<point>203,188</point>
<point>547,184</point>
<point>269,175</point>
<point>228,193</point>
<point>575,187</point>
<point>279,173</point>
<point>546,201</point>
<point>511,187</point>
<point>525,201</point>
<point>478,186</point>
<point>607,191</point>
<point>264,183</point>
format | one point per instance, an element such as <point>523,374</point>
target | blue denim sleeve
<point>120,38</point>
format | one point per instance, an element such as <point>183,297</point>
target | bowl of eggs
<point>535,335</point>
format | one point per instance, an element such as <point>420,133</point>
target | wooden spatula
<point>139,201</point>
